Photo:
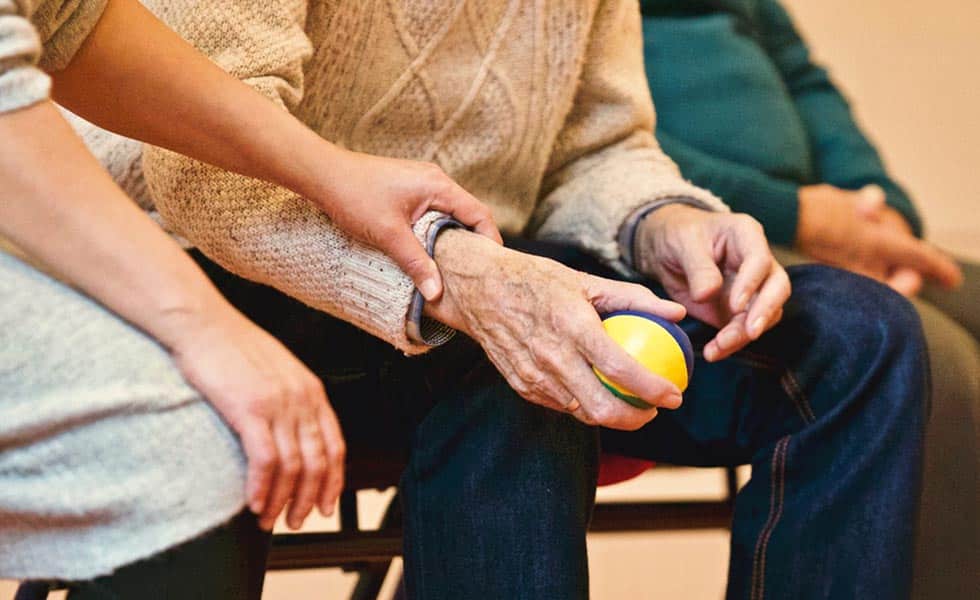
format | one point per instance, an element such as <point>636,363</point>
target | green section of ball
<point>631,400</point>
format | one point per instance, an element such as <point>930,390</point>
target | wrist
<point>185,320</point>
<point>464,259</point>
<point>628,233</point>
<point>312,165</point>
<point>650,228</point>
<point>808,222</point>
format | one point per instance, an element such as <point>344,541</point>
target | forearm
<point>164,92</point>
<point>60,207</point>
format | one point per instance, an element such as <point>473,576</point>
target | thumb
<point>905,281</point>
<point>871,199</point>
<point>412,258</point>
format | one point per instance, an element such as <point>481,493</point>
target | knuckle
<point>317,467</point>
<point>316,388</point>
<point>602,413</point>
<point>266,458</point>
<point>527,371</point>
<point>291,464</point>
<point>295,389</point>
<point>338,452</point>
<point>614,370</point>
<point>748,222</point>
<point>417,263</point>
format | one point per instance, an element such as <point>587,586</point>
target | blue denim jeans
<point>829,408</point>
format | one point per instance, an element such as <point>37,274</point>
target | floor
<point>664,559</point>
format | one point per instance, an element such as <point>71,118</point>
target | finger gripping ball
<point>656,343</point>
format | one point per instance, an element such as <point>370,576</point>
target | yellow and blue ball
<point>656,343</point>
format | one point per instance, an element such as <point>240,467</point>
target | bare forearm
<point>60,207</point>
<point>136,77</point>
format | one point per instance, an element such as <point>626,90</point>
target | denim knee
<point>857,331</point>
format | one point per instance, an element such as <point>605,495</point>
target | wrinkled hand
<point>719,266</point>
<point>857,231</point>
<point>539,323</point>
<point>378,199</point>
<point>279,409</point>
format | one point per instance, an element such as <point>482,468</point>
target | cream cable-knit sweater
<point>539,108</point>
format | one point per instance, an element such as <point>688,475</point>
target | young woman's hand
<point>279,409</point>
<point>378,199</point>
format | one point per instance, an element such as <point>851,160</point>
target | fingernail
<point>429,289</point>
<point>757,326</point>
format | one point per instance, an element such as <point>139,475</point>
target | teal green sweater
<point>745,113</point>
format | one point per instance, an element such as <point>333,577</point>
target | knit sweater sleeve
<point>21,82</point>
<point>58,27</point>
<point>606,162</point>
<point>258,230</point>
<point>843,154</point>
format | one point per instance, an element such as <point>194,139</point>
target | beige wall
<point>912,72</point>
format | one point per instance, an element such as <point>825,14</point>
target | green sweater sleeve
<point>843,155</point>
<point>770,200</point>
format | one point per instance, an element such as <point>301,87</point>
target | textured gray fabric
<point>106,455</point>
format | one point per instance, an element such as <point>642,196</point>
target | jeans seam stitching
<point>778,470</point>
<point>757,357</point>
<point>792,388</point>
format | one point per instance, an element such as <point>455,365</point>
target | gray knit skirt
<point>106,455</point>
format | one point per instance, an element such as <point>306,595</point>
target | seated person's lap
<point>86,392</point>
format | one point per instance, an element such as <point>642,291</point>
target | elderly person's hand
<point>539,323</point>
<point>719,266</point>
<point>856,230</point>
<point>278,408</point>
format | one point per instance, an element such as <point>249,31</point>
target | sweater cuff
<point>419,328</point>
<point>627,231</point>
<point>63,34</point>
<point>23,86</point>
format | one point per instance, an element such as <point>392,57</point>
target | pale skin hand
<point>719,266</point>
<point>289,433</point>
<point>166,93</point>
<point>857,231</point>
<point>539,323</point>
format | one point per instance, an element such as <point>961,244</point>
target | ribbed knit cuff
<point>23,86</point>
<point>627,232</point>
<point>419,328</point>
